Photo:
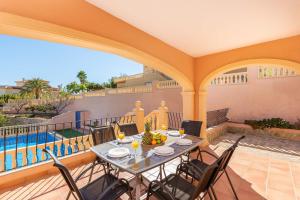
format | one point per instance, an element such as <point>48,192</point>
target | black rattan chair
<point>193,167</point>
<point>192,127</point>
<point>129,129</point>
<point>175,187</point>
<point>105,187</point>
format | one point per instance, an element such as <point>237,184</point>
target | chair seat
<point>180,188</point>
<point>93,190</point>
<point>190,168</point>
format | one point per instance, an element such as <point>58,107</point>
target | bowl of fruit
<point>152,137</point>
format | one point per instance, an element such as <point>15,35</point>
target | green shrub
<point>270,123</point>
<point>3,120</point>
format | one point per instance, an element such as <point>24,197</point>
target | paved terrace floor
<point>261,168</point>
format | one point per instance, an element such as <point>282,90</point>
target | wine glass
<point>121,136</point>
<point>135,146</point>
<point>181,132</point>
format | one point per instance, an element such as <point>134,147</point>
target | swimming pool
<point>23,140</point>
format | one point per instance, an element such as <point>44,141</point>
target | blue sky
<point>58,63</point>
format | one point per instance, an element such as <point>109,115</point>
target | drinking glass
<point>121,136</point>
<point>135,146</point>
<point>181,132</point>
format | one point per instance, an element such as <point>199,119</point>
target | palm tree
<point>82,77</point>
<point>35,86</point>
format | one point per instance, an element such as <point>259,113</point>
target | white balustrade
<point>167,84</point>
<point>231,79</point>
<point>271,71</point>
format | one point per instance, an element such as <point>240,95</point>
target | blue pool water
<point>30,139</point>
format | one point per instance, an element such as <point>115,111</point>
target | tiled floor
<point>257,173</point>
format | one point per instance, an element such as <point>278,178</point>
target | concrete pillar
<point>188,99</point>
<point>162,115</point>
<point>140,114</point>
<point>203,114</point>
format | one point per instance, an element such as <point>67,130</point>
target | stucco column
<point>203,114</point>
<point>188,99</point>
<point>162,115</point>
<point>140,115</point>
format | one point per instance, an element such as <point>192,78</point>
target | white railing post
<point>140,114</point>
<point>162,115</point>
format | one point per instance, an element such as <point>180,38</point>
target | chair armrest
<point>163,188</point>
<point>87,169</point>
<point>204,151</point>
<point>179,168</point>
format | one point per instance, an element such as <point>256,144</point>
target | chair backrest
<point>103,134</point>
<point>231,151</point>
<point>65,173</point>
<point>206,180</point>
<point>227,154</point>
<point>191,127</point>
<point>129,129</point>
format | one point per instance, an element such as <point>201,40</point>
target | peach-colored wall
<point>258,99</point>
<point>119,104</point>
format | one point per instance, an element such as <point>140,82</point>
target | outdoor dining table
<point>145,158</point>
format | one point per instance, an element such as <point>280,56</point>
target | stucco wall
<point>120,104</point>
<point>258,99</point>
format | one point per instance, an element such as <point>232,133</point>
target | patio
<point>256,174</point>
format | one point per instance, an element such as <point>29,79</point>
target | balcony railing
<point>22,146</point>
<point>275,72</point>
<point>231,79</point>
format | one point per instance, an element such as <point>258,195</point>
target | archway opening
<point>249,88</point>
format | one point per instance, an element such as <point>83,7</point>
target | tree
<point>60,103</point>
<point>35,86</point>
<point>94,86</point>
<point>73,87</point>
<point>19,104</point>
<point>110,83</point>
<point>82,77</point>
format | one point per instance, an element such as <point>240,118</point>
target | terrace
<point>186,47</point>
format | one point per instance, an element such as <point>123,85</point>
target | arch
<point>26,27</point>
<point>235,65</point>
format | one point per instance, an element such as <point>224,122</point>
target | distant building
<point>8,89</point>
<point>147,77</point>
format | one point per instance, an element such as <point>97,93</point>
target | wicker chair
<point>193,167</point>
<point>105,187</point>
<point>175,187</point>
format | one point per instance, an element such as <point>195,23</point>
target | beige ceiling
<point>201,27</point>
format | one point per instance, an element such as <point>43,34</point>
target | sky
<point>57,63</point>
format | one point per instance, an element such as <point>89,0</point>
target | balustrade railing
<point>167,84</point>
<point>22,145</point>
<point>231,79</point>
<point>153,118</point>
<point>265,72</point>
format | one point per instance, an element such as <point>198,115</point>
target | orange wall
<point>286,49</point>
<point>82,16</point>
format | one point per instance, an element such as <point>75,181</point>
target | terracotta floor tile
<point>279,195</point>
